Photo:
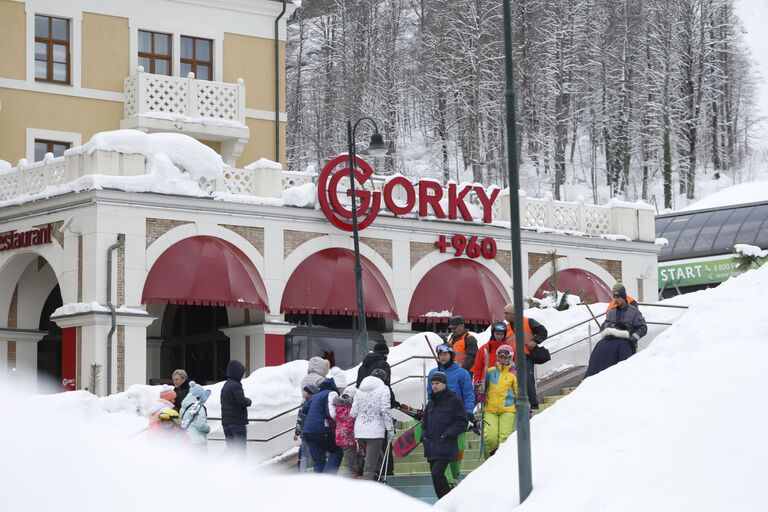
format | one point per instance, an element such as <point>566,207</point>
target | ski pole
<point>431,349</point>
<point>382,472</point>
<point>593,315</point>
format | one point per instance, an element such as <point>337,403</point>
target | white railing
<point>566,216</point>
<point>269,181</point>
<point>147,94</point>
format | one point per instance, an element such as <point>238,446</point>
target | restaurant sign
<point>19,239</point>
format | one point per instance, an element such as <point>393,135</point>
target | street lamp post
<point>523,405</point>
<point>376,147</point>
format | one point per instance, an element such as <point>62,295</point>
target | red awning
<point>207,271</point>
<point>573,280</point>
<point>458,287</point>
<point>324,283</point>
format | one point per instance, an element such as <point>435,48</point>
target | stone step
<point>552,399</point>
<point>406,468</point>
<point>568,390</point>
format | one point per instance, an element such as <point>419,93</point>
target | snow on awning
<point>461,286</point>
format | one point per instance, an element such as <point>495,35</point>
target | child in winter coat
<point>165,401</point>
<point>373,419</point>
<point>345,429</point>
<point>194,418</point>
<point>500,394</point>
<point>306,393</point>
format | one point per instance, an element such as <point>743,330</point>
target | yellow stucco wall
<point>106,51</point>
<point>253,60</point>
<point>262,142</point>
<point>22,110</point>
<point>12,45</point>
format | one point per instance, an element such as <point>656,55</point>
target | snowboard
<point>194,409</point>
<point>407,441</point>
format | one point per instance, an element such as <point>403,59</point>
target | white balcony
<point>205,110</point>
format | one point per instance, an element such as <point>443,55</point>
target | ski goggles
<point>443,348</point>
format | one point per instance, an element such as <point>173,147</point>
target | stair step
<point>568,390</point>
<point>552,399</point>
<point>408,468</point>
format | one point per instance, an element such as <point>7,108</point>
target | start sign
<point>424,195</point>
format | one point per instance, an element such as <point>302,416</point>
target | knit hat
<point>339,378</point>
<point>195,389</point>
<point>311,389</point>
<point>439,377</point>
<point>167,393</point>
<point>381,348</point>
<point>456,320</point>
<point>620,291</point>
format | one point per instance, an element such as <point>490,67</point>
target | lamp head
<point>377,147</point>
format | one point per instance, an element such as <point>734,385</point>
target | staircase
<point>412,475</point>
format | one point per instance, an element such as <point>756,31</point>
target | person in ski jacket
<point>630,300</point>
<point>534,334</point>
<point>180,386</point>
<point>195,418</point>
<point>623,327</point>
<point>345,429</point>
<point>317,431</point>
<point>500,395</point>
<point>444,419</point>
<point>460,383</point>
<point>317,370</point>
<point>463,343</point>
<point>486,356</point>
<point>373,420</point>
<point>375,359</point>
<point>234,409</point>
<point>306,394</point>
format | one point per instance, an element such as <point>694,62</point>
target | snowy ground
<point>670,429</point>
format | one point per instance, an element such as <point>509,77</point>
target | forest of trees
<point>611,94</point>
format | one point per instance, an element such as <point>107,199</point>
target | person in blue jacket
<point>317,432</point>
<point>444,419</point>
<point>460,383</point>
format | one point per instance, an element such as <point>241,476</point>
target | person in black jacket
<point>373,360</point>
<point>180,386</point>
<point>234,409</point>
<point>444,419</point>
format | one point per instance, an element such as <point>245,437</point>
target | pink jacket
<point>345,424</point>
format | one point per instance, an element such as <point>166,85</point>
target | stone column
<point>25,374</point>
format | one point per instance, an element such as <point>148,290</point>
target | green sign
<point>697,272</point>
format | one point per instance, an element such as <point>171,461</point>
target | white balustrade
<point>170,97</point>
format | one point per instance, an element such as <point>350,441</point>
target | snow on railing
<point>566,216</point>
<point>32,178</point>
<point>191,99</point>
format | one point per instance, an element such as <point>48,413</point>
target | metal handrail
<point>411,357</point>
<point>263,420</point>
<point>589,336</point>
<point>261,440</point>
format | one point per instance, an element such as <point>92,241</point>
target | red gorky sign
<point>430,193</point>
<point>17,240</point>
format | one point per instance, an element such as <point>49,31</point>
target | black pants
<point>531,383</point>
<point>439,481</point>
<point>236,439</point>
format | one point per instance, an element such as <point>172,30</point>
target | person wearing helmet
<point>486,356</point>
<point>460,384</point>
<point>500,391</point>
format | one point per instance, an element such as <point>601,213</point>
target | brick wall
<point>254,235</point>
<point>419,250</point>
<point>613,267</point>
<point>158,227</point>
<point>121,276</point>
<point>504,258</point>
<point>382,247</point>
<point>536,260</point>
<point>293,239</point>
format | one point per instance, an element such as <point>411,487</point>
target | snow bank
<point>646,434</point>
<point>753,192</point>
<point>301,196</point>
<point>5,167</point>
<point>74,308</point>
<point>264,163</point>
<point>85,465</point>
<point>636,205</point>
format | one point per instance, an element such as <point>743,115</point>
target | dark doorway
<point>194,342</point>
<point>49,348</point>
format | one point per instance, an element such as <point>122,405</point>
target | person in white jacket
<point>373,420</point>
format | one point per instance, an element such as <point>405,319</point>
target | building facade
<point>205,68</point>
<point>104,287</point>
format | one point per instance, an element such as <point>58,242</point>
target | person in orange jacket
<point>463,343</point>
<point>534,334</point>
<point>611,305</point>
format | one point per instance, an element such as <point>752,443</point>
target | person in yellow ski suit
<point>501,393</point>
